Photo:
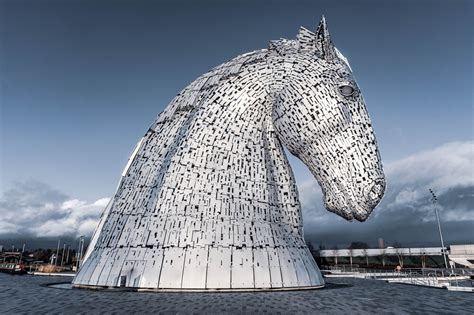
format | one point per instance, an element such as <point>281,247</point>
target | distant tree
<point>358,245</point>
<point>41,254</point>
<point>310,246</point>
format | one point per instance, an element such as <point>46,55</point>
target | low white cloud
<point>311,197</point>
<point>446,169</point>
<point>441,169</point>
<point>35,209</point>
<point>408,180</point>
<point>406,211</point>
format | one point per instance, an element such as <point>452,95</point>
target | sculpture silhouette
<point>208,199</point>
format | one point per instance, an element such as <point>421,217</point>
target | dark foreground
<point>31,295</point>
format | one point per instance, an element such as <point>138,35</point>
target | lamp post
<point>22,251</point>
<point>57,253</point>
<point>80,249</point>
<point>434,199</point>
<point>62,256</point>
<point>67,257</point>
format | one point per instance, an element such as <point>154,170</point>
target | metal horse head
<point>208,199</point>
<point>320,116</point>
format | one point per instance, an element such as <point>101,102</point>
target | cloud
<point>441,169</point>
<point>37,210</point>
<point>406,213</point>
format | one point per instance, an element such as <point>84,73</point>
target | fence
<point>433,277</point>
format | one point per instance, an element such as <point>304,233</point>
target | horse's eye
<point>346,90</point>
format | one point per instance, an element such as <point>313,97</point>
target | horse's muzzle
<point>374,196</point>
<point>376,193</point>
<point>354,207</point>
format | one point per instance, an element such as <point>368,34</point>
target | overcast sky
<point>81,81</point>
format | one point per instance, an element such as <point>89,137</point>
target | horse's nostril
<point>376,192</point>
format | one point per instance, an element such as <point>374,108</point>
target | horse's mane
<point>189,98</point>
<point>304,42</point>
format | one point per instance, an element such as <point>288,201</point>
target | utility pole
<point>434,199</point>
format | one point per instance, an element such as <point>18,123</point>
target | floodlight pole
<point>67,257</point>
<point>57,253</point>
<point>434,199</point>
<point>22,251</point>
<point>81,249</point>
<point>62,256</point>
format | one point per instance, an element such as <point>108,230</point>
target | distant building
<point>427,251</point>
<point>460,254</point>
<point>381,243</point>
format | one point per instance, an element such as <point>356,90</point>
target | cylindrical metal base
<point>197,290</point>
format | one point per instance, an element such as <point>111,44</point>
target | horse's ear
<point>306,39</point>
<point>324,44</point>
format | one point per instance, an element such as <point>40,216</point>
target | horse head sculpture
<point>320,116</point>
<point>208,199</point>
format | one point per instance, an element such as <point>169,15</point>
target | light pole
<point>81,248</point>
<point>62,256</point>
<point>434,199</point>
<point>67,257</point>
<point>22,251</point>
<point>57,253</point>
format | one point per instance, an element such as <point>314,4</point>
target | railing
<point>434,277</point>
<point>460,252</point>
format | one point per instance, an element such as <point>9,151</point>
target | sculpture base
<point>197,290</point>
<point>200,268</point>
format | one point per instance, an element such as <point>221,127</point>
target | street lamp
<point>57,253</point>
<point>80,249</point>
<point>434,199</point>
<point>62,256</point>
<point>67,257</point>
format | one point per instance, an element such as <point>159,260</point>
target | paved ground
<point>30,295</point>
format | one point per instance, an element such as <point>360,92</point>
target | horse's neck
<point>213,152</point>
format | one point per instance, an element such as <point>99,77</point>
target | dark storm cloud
<point>34,209</point>
<point>32,193</point>
<point>406,214</point>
